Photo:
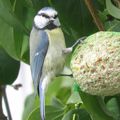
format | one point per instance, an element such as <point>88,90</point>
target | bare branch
<point>2,116</point>
<point>6,102</point>
<point>93,12</point>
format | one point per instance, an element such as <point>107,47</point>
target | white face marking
<point>40,21</point>
<point>45,16</point>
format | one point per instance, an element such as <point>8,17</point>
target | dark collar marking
<point>49,27</point>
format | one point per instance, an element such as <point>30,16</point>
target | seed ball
<point>96,64</point>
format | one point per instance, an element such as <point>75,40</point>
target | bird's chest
<point>55,59</point>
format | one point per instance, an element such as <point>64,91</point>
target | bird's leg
<point>70,49</point>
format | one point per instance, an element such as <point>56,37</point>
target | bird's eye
<point>55,16</point>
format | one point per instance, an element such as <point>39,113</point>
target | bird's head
<point>46,18</point>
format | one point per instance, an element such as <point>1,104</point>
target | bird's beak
<point>52,20</point>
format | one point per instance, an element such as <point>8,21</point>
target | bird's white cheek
<point>57,22</point>
<point>40,22</point>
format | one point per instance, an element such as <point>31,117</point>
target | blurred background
<point>64,100</point>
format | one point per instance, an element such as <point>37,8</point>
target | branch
<point>2,116</point>
<point>93,12</point>
<point>117,3</point>
<point>6,102</point>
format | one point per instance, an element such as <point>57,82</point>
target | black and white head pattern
<point>46,18</point>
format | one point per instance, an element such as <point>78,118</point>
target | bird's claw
<point>70,49</point>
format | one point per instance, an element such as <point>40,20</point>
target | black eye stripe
<point>44,15</point>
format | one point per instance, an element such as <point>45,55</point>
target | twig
<point>2,116</point>
<point>65,75</point>
<point>6,102</point>
<point>93,12</point>
<point>117,3</point>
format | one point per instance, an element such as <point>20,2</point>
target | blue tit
<point>46,51</point>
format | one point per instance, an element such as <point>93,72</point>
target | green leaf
<point>97,110</point>
<point>77,114</point>
<point>59,87</point>
<point>28,3</point>
<point>25,50</point>
<point>52,113</point>
<point>69,115</point>
<point>112,9</point>
<point>7,41</point>
<point>112,105</point>
<point>63,94</point>
<point>35,114</point>
<point>18,34</point>
<point>31,110</point>
<point>13,40</point>
<point>9,68</point>
<point>53,89</point>
<point>14,43</point>
<point>9,17</point>
<point>37,4</point>
<point>31,103</point>
<point>113,25</point>
<point>57,103</point>
<point>21,41</point>
<point>74,98</point>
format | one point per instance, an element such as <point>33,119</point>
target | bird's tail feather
<point>42,101</point>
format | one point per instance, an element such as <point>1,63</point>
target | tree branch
<point>6,102</point>
<point>117,3</point>
<point>2,116</point>
<point>93,12</point>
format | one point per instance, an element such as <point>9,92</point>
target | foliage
<point>16,18</point>
<point>9,68</point>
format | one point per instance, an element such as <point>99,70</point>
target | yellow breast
<point>55,59</point>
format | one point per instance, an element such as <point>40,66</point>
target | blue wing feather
<point>38,58</point>
<point>36,68</point>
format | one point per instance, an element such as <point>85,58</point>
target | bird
<point>47,51</point>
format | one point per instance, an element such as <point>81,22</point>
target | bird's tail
<point>42,101</point>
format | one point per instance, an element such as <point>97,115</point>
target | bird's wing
<point>38,58</point>
<point>36,68</point>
